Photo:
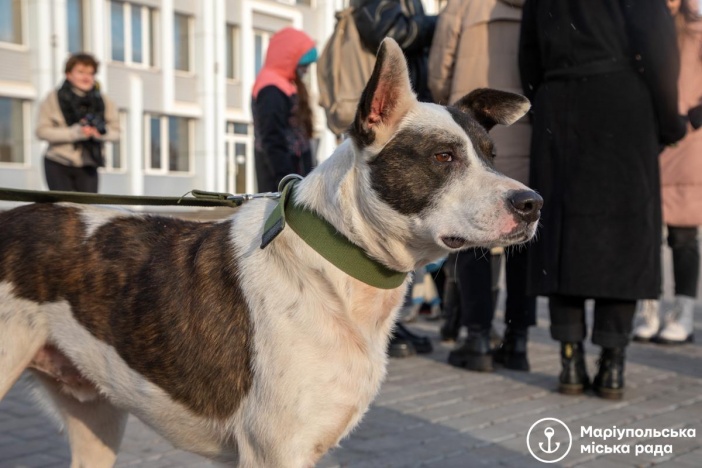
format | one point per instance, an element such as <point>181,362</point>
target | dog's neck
<point>339,190</point>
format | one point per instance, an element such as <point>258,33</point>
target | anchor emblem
<point>548,432</point>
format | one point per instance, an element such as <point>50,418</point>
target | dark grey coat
<point>602,77</point>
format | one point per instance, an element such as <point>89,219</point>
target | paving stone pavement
<point>430,414</point>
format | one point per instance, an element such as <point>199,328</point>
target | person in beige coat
<point>681,185</point>
<point>476,45</point>
<point>76,120</point>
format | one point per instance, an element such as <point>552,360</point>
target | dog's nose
<point>526,203</point>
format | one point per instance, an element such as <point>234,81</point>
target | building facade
<point>180,72</point>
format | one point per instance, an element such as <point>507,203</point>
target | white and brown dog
<point>254,356</point>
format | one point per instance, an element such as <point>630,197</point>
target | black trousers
<point>474,278</point>
<point>70,179</point>
<point>611,328</point>
<point>686,259</point>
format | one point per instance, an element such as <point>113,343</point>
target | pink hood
<point>285,50</point>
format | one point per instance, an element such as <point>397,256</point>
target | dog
<point>252,356</point>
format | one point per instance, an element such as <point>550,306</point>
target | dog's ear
<point>490,106</point>
<point>386,98</point>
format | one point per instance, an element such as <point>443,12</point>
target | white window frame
<point>266,39</point>
<point>165,163</point>
<point>123,142</point>
<point>85,31</point>
<point>232,139</point>
<point>148,22</point>
<point>190,24</point>
<point>26,140</point>
<point>235,53</point>
<point>23,46</point>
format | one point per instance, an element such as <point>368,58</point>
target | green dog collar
<point>327,241</point>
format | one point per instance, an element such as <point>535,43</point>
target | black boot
<point>512,352</point>
<point>573,379</point>
<point>422,344</point>
<point>609,381</point>
<point>474,353</point>
<point>400,346</point>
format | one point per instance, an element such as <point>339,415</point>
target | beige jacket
<point>681,165</point>
<point>52,128</point>
<point>475,45</point>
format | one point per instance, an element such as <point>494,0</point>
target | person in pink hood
<point>281,112</point>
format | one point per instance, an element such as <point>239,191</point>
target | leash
<point>314,230</point>
<point>326,240</point>
<point>199,198</point>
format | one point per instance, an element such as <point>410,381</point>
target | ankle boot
<point>512,352</point>
<point>678,322</point>
<point>422,344</point>
<point>573,379</point>
<point>609,381</point>
<point>648,321</point>
<point>474,353</point>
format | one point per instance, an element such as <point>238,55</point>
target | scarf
<point>86,109</point>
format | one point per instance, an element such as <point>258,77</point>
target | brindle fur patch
<point>163,292</point>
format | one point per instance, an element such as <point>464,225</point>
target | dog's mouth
<point>453,242</point>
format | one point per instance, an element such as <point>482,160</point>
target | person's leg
<point>58,176</point>
<point>568,327</point>
<point>611,330</point>
<point>678,322</point>
<point>451,301</point>
<point>520,313</point>
<point>86,179</point>
<point>474,275</point>
<point>473,271</point>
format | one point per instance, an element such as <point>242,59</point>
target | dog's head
<point>434,164</point>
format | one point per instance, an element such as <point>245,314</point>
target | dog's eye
<point>443,157</point>
<point>493,154</point>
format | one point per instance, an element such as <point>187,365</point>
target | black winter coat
<point>406,22</point>
<point>602,77</point>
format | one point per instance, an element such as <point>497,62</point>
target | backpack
<point>343,69</point>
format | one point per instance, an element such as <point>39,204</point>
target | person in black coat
<point>602,78</point>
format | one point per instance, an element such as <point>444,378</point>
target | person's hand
<point>90,132</point>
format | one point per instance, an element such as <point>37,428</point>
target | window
<point>261,39</point>
<point>155,137</point>
<point>117,31</point>
<point>181,41</point>
<point>232,52</point>
<point>11,130</point>
<point>168,143</point>
<point>115,153</point>
<point>11,21</point>
<point>75,17</point>
<point>178,144</point>
<point>238,152</point>
<point>133,33</point>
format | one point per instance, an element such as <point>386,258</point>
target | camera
<point>92,120</point>
<point>695,116</point>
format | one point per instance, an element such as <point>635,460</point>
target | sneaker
<point>648,320</point>
<point>678,322</point>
